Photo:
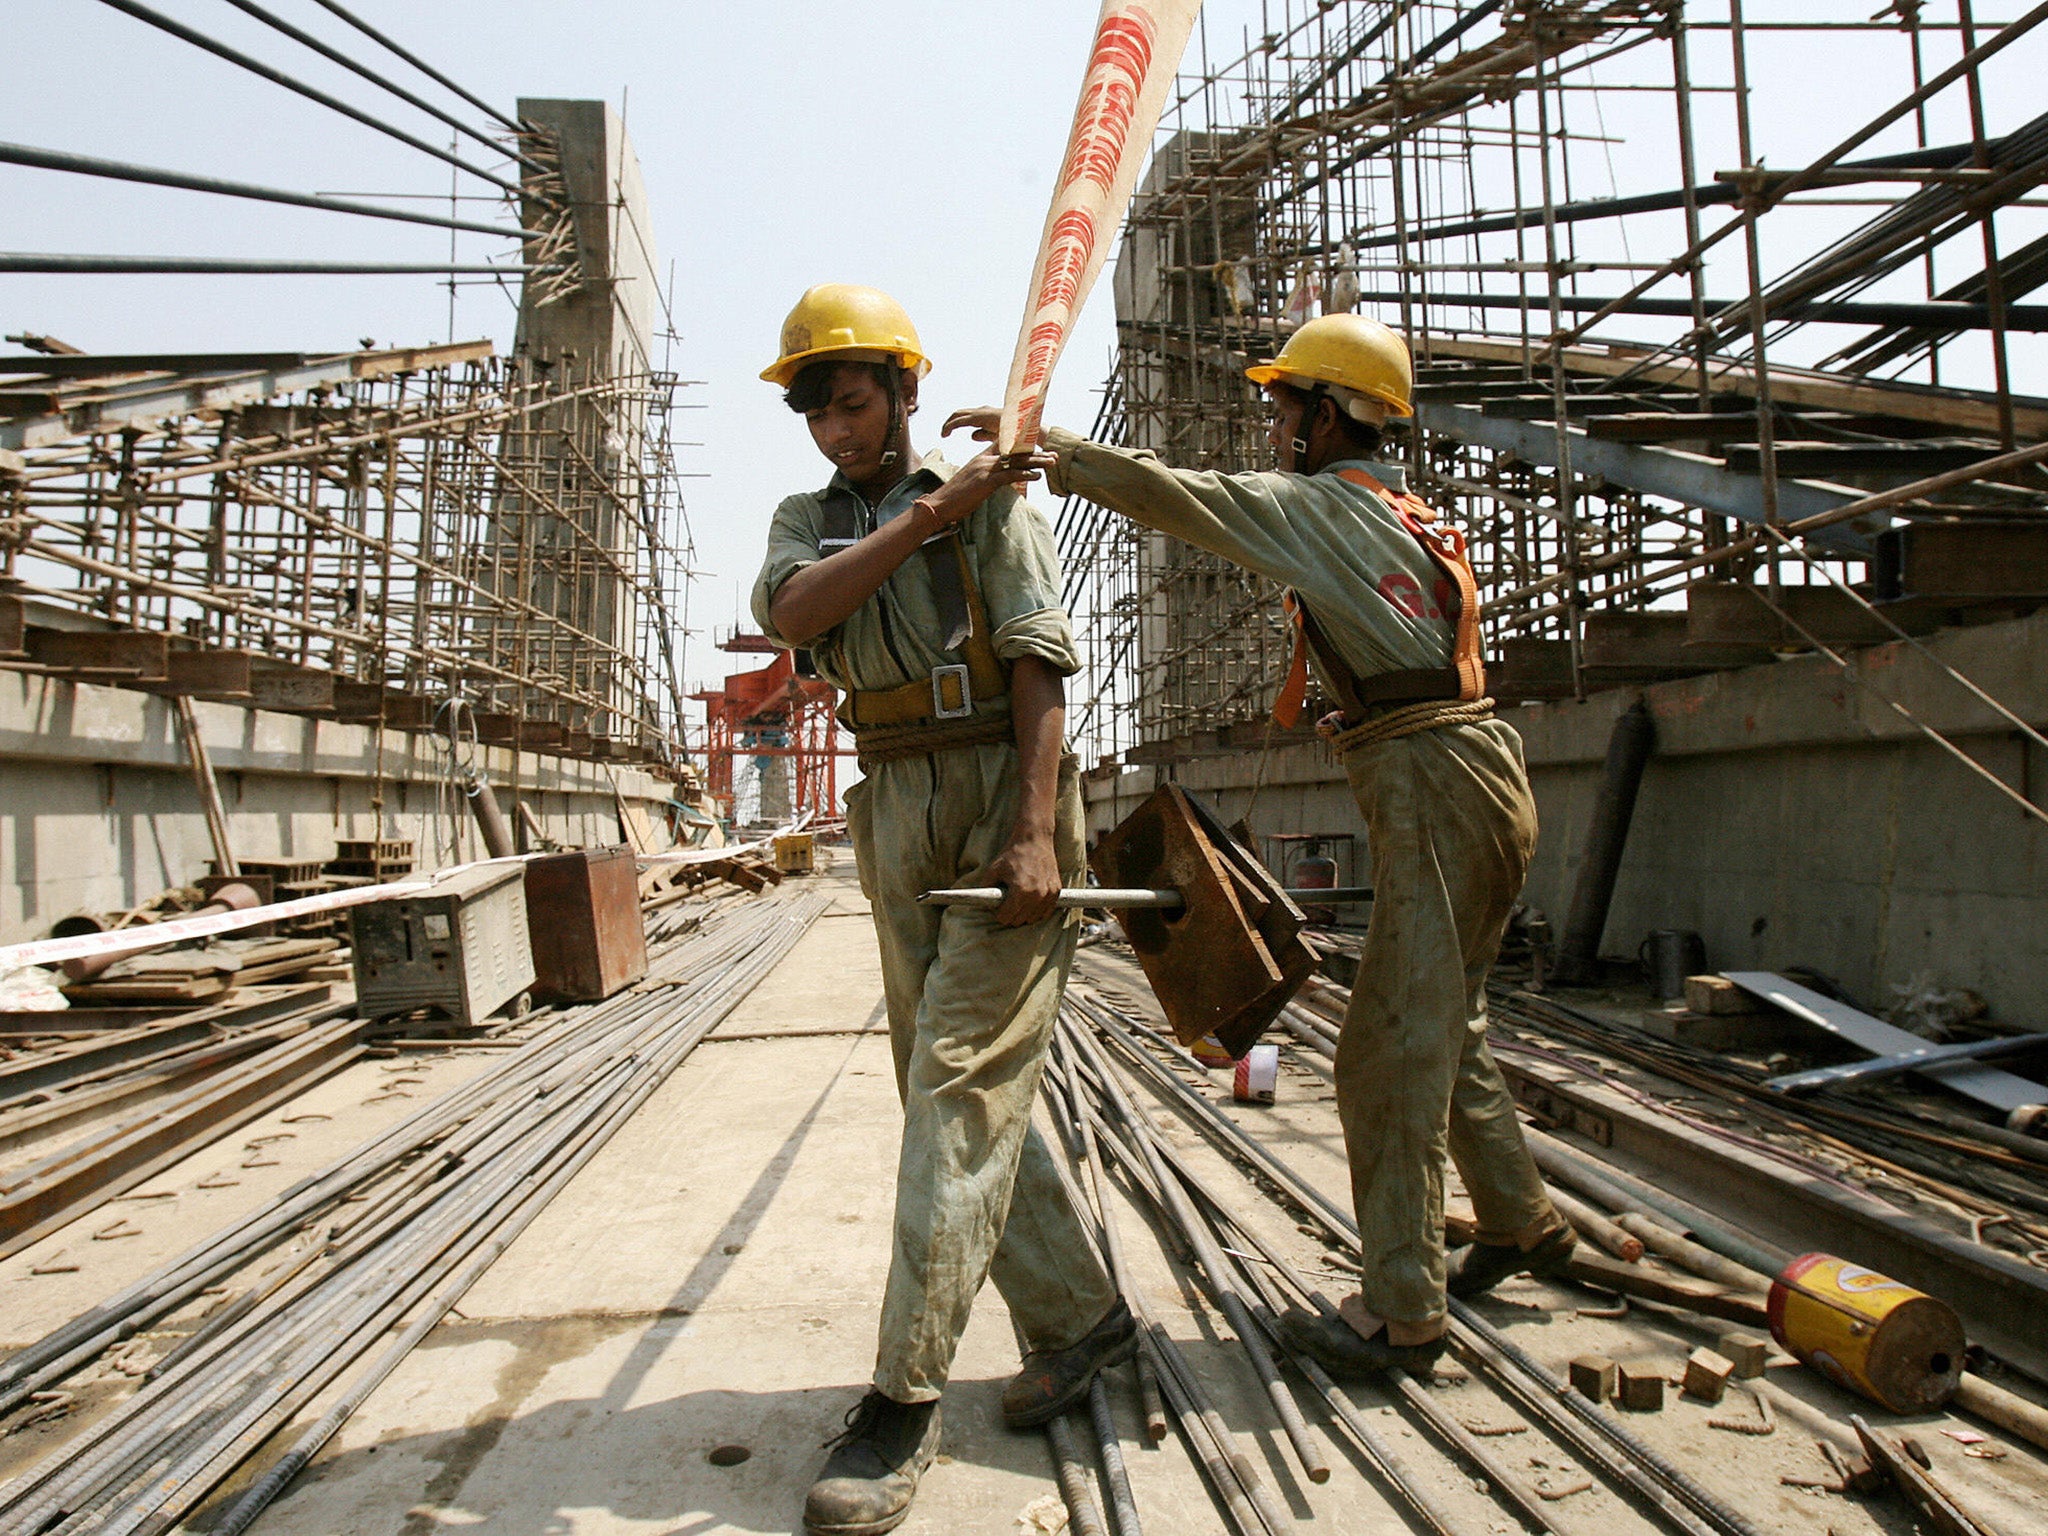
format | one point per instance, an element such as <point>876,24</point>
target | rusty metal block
<point>497,728</point>
<point>1964,562</point>
<point>541,735</point>
<point>405,712</point>
<point>1729,612</point>
<point>1654,642</point>
<point>357,701</point>
<point>583,913</point>
<point>209,674</point>
<point>291,690</point>
<point>1227,960</point>
<point>135,651</point>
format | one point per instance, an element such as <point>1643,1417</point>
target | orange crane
<point>774,712</point>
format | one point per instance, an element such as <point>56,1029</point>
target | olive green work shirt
<point>1377,596</point>
<point>893,638</point>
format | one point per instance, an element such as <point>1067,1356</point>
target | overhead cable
<point>312,93</point>
<point>54,262</point>
<point>418,63</point>
<point>328,51</point>
<point>148,175</point>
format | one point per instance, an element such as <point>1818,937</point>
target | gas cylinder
<point>1316,871</point>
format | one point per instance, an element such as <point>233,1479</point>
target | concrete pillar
<point>566,512</point>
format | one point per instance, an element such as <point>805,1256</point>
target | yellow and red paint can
<point>1868,1332</point>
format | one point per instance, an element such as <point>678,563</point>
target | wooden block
<point>1706,1375</point>
<point>1746,1352</point>
<point>1713,1032</point>
<point>1639,1387</point>
<point>1594,1377</point>
<point>1717,995</point>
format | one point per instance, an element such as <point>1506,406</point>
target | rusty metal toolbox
<point>589,937</point>
<point>460,948</point>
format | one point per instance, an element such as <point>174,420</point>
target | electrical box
<point>589,936</point>
<point>460,949</point>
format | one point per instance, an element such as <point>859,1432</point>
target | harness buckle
<point>951,683</point>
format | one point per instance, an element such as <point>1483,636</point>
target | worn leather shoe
<point>1347,1354</point>
<point>1479,1267</point>
<point>1054,1380</point>
<point>871,1475</point>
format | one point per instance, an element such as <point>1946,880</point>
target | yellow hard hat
<point>840,319</point>
<point>1351,352</point>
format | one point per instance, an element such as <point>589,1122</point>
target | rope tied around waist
<point>1408,719</point>
<point>887,743</point>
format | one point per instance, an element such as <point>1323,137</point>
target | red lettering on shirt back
<point>1404,594</point>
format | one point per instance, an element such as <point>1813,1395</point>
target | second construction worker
<point>1386,609</point>
<point>931,597</point>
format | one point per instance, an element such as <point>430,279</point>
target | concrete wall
<point>98,810</point>
<point>1788,814</point>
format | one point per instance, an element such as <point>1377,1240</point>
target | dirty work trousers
<point>971,1012</point>
<point>1451,827</point>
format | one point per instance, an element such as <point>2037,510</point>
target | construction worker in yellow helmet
<point>930,596</point>
<point>1386,613</point>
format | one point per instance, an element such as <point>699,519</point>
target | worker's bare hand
<point>981,477</point>
<point>984,419</point>
<point>1030,878</point>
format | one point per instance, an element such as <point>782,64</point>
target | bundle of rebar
<point>1252,1283</point>
<point>402,1227</point>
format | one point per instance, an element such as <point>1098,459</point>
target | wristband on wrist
<point>926,504</point>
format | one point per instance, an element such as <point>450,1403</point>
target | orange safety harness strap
<point>1464,679</point>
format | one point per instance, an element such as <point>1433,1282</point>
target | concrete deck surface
<point>712,1279</point>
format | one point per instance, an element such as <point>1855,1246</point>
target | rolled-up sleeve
<point>1020,584</point>
<point>792,545</point>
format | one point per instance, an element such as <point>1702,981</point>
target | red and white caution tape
<point>1138,45</point>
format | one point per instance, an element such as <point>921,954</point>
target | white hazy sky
<point>909,144</point>
<point>905,143</point>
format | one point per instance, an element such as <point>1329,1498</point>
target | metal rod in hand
<point>1073,896</point>
<point>1128,898</point>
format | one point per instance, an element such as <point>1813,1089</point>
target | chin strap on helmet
<point>891,454</point>
<point>1314,397</point>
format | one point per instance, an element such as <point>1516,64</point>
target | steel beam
<point>1688,478</point>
